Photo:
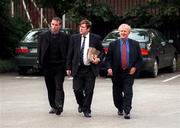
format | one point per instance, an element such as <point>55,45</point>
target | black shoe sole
<point>59,111</point>
<point>80,110</point>
<point>127,117</point>
<point>88,115</point>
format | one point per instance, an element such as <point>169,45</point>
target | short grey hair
<point>124,26</point>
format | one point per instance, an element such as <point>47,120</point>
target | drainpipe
<point>12,8</point>
<point>64,21</point>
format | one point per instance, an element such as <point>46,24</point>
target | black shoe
<point>52,111</point>
<point>79,109</point>
<point>87,114</point>
<point>120,113</point>
<point>127,116</point>
<point>59,110</point>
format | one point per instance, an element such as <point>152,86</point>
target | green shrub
<point>8,66</point>
<point>12,33</point>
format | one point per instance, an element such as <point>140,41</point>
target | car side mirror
<point>163,43</point>
<point>171,41</point>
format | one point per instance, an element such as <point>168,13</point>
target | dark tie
<point>123,56</point>
<point>82,50</point>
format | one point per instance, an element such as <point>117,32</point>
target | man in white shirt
<point>83,70</point>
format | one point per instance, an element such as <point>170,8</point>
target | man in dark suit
<point>123,60</point>
<point>52,51</point>
<point>83,70</point>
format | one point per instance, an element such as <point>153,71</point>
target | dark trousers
<point>123,91</point>
<point>83,85</point>
<point>54,79</point>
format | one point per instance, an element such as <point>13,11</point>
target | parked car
<point>157,52</point>
<point>26,52</point>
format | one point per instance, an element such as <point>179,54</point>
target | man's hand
<point>132,71</point>
<point>110,72</point>
<point>95,60</point>
<point>68,72</point>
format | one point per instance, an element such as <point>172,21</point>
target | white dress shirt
<point>86,46</point>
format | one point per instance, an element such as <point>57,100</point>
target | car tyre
<point>22,71</point>
<point>173,66</point>
<point>154,71</point>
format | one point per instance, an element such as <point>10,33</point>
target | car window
<point>32,36</point>
<point>161,36</point>
<point>140,36</point>
<point>112,36</point>
<point>157,37</point>
<point>68,31</point>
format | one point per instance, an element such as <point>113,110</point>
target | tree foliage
<point>60,6</point>
<point>12,30</point>
<point>156,13</point>
<point>101,15</point>
<point>83,9</point>
<point>163,15</point>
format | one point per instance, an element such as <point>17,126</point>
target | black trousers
<point>54,79</point>
<point>123,91</point>
<point>83,85</point>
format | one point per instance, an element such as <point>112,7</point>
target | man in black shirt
<point>52,51</point>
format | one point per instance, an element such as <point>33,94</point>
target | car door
<point>168,49</point>
<point>157,49</point>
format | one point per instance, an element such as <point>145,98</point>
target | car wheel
<point>154,71</point>
<point>173,66</point>
<point>22,71</point>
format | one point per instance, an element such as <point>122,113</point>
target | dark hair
<point>57,19</point>
<point>87,22</point>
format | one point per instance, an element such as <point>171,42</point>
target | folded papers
<point>93,53</point>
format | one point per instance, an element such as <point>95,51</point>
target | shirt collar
<point>87,35</point>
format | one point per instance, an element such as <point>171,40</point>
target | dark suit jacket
<point>43,44</point>
<point>73,58</point>
<point>113,59</point>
